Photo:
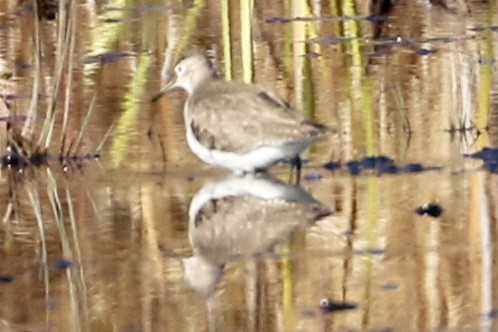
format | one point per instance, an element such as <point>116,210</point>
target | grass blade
<point>106,136</point>
<point>28,128</point>
<point>84,125</point>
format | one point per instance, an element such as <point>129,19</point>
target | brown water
<point>108,246</point>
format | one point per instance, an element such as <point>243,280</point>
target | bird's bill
<point>170,86</point>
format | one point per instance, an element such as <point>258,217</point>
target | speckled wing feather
<point>245,225</point>
<point>238,117</point>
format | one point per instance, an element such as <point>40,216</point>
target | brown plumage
<point>236,125</point>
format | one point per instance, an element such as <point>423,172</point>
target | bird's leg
<point>296,163</point>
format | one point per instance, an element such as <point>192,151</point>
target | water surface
<point>104,244</point>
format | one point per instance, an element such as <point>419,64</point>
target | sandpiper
<point>242,216</point>
<point>235,125</point>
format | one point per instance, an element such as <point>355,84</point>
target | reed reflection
<point>239,217</point>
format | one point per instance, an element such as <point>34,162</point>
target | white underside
<point>259,158</point>
<point>259,186</point>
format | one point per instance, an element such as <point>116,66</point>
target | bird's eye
<point>179,69</point>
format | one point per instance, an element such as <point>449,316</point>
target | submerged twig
<point>77,279</point>
<point>63,44</point>
<point>106,135</point>
<point>16,149</point>
<point>65,117</point>
<point>35,202</point>
<point>28,128</point>
<point>8,212</point>
<point>55,201</point>
<point>84,125</point>
<point>65,155</point>
<point>163,151</point>
<point>12,207</point>
<point>403,111</point>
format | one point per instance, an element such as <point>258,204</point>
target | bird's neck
<point>198,83</point>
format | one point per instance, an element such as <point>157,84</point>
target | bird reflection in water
<point>242,216</point>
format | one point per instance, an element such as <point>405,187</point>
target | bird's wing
<point>238,118</point>
<point>245,225</point>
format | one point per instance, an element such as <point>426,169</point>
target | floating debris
<point>389,287</point>
<point>112,20</point>
<point>412,168</point>
<point>486,154</point>
<point>388,169</point>
<point>106,57</point>
<point>6,279</point>
<point>376,18</point>
<point>376,162</point>
<point>380,165</point>
<point>327,305</point>
<point>493,314</point>
<point>486,60</point>
<point>493,28</point>
<point>491,167</point>
<point>332,165</point>
<point>417,168</point>
<point>375,251</point>
<point>63,264</point>
<point>13,161</point>
<point>489,156</point>
<point>393,41</point>
<point>354,167</point>
<point>431,209</point>
<point>280,20</point>
<point>425,51</point>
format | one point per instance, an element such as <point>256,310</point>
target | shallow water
<point>107,245</point>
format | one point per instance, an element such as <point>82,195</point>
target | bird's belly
<point>259,158</point>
